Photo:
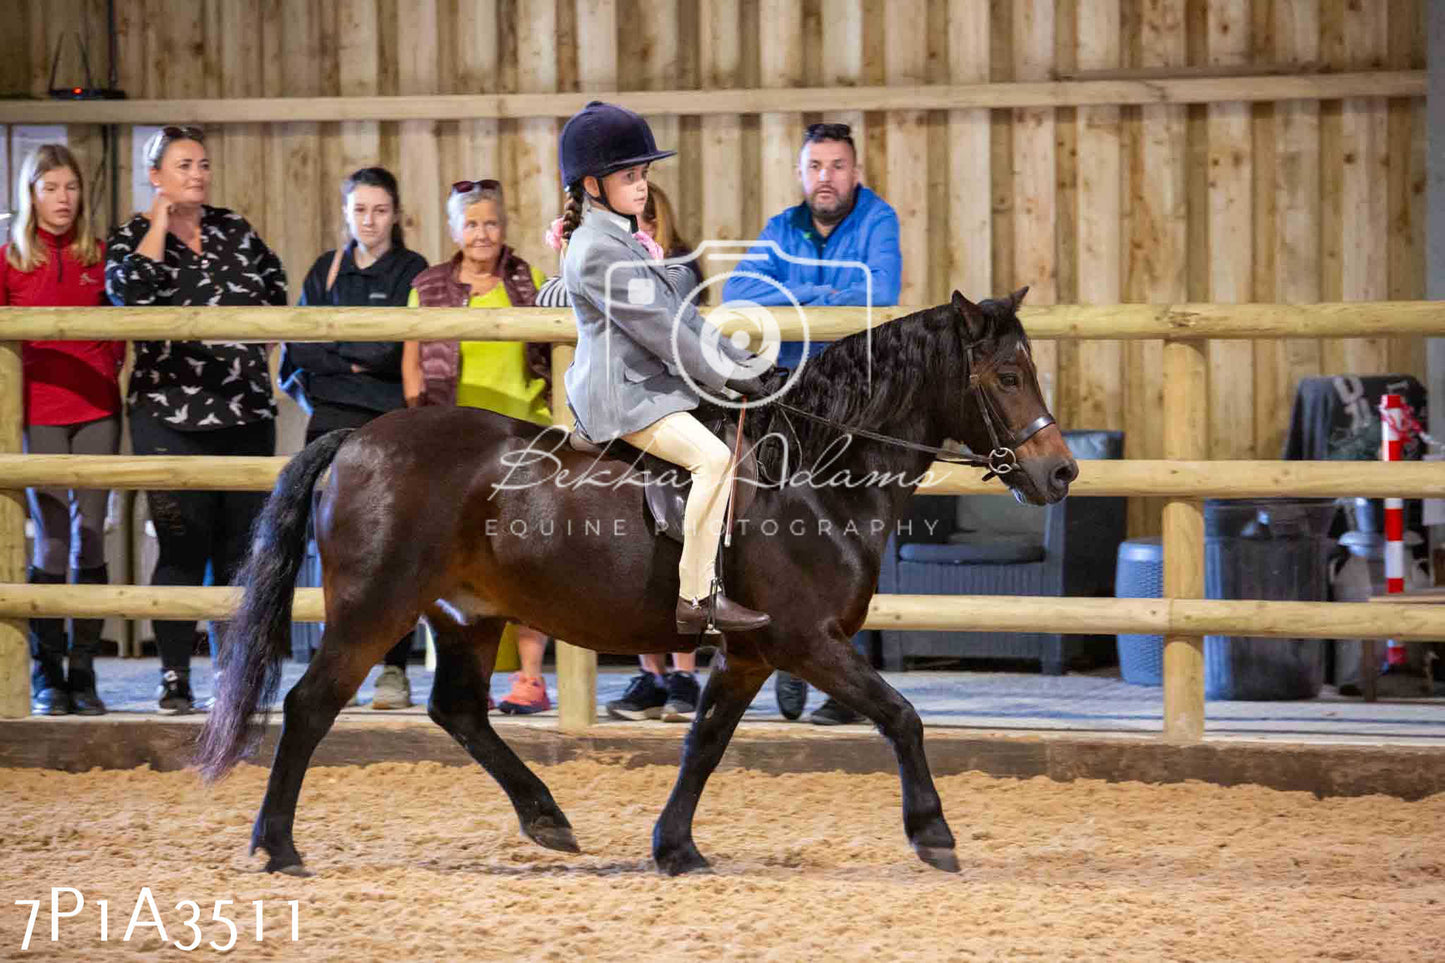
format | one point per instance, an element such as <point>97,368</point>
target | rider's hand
<point>747,387</point>
<point>754,387</point>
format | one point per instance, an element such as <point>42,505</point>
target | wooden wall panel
<point>357,26</point>
<point>657,30</point>
<point>1296,198</point>
<point>1034,177</point>
<point>1101,363</point>
<point>478,148</point>
<point>1156,212</point>
<point>780,48</point>
<point>533,186</point>
<point>905,56</point>
<point>970,208</point>
<point>1406,155</point>
<point>419,171</point>
<point>720,60</point>
<point>1365,178</point>
<point>843,48</point>
<point>1231,249</point>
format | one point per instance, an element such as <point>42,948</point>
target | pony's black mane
<point>910,355</point>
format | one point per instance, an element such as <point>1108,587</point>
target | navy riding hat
<point>603,138</point>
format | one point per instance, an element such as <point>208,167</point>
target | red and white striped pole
<point>1392,434</point>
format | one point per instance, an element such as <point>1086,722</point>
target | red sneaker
<point>528,695</point>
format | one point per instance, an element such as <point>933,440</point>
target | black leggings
<point>326,418</point>
<point>199,530</point>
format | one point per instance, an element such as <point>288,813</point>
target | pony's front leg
<point>834,666</point>
<point>730,690</point>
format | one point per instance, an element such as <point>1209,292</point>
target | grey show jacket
<point>626,374</point>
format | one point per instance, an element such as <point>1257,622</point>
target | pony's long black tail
<point>258,638</point>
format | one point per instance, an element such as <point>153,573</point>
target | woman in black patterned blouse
<point>194,397</point>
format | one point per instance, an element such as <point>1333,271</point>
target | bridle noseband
<point>1000,461</point>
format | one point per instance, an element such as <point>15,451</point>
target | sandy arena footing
<point>422,861</point>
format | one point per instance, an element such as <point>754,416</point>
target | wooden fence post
<point>14,653</point>
<point>1186,437</point>
<point>576,666</point>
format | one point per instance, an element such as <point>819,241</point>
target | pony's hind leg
<point>340,666</point>
<point>834,666</point>
<point>730,689</point>
<point>465,656</point>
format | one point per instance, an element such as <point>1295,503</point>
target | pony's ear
<point>972,315</point>
<point>1017,297</point>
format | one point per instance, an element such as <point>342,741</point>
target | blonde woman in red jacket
<point>72,406</point>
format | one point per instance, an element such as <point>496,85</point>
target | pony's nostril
<point>1065,474</point>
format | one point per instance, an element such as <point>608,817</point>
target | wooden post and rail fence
<point>1183,616</point>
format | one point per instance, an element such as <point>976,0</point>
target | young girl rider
<point>636,338</point>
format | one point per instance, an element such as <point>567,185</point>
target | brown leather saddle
<point>667,502</point>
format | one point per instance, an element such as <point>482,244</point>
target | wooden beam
<point>1179,322</point>
<point>14,647</point>
<point>960,613</point>
<point>576,666</point>
<point>1186,437</point>
<point>1022,95</point>
<point>1236,479</point>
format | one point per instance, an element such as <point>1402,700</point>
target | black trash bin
<point>1276,549</point>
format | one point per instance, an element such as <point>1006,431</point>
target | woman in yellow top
<point>508,377</point>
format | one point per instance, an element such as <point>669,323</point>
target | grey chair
<point>991,545</point>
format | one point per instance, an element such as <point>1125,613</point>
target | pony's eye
<point>1008,379</point>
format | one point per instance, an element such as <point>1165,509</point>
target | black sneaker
<point>792,694</point>
<point>682,694</point>
<point>174,695</point>
<point>644,699</point>
<point>833,713</point>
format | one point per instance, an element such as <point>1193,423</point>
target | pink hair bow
<point>554,235</point>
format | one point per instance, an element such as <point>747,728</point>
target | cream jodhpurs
<point>681,439</point>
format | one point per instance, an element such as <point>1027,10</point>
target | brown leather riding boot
<point>727,616</point>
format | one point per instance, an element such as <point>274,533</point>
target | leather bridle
<point>1000,461</point>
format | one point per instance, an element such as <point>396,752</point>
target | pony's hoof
<point>681,861</point>
<point>293,867</point>
<point>549,835</point>
<point>938,857</point>
<point>297,870</point>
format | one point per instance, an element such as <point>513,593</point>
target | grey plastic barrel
<point>1139,574</point>
<point>1275,549</point>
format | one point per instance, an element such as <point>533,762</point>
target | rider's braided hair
<point>572,211</point>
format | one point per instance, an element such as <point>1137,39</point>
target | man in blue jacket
<point>813,251</point>
<point>817,252</point>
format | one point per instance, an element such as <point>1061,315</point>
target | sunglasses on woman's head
<point>184,133</point>
<point>466,187</point>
